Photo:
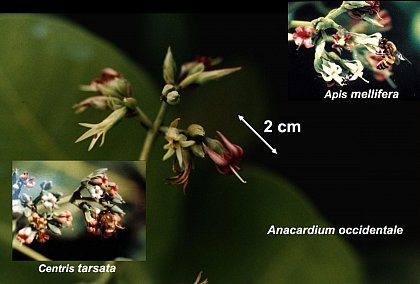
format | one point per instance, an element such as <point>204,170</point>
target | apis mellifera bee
<point>390,54</point>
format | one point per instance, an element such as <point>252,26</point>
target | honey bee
<point>390,54</point>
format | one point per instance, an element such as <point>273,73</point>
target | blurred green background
<point>219,226</point>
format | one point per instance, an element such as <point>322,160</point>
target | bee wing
<point>397,59</point>
<point>399,56</point>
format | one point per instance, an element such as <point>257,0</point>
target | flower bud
<point>195,130</point>
<point>115,88</point>
<point>112,189</point>
<point>109,74</point>
<point>130,102</point>
<point>30,183</point>
<point>167,88</point>
<point>169,67</point>
<point>206,76</point>
<point>349,5</point>
<point>173,98</point>
<point>65,218</point>
<point>228,160</point>
<point>197,68</point>
<point>46,185</point>
<point>100,179</point>
<point>97,102</point>
<point>214,144</point>
<point>198,150</point>
<point>201,63</point>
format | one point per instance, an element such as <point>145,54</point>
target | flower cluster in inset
<point>346,47</point>
<point>99,200</point>
<point>113,92</point>
<point>38,217</point>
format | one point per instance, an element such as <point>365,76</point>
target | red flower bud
<point>228,161</point>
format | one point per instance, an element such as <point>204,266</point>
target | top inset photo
<point>346,50</point>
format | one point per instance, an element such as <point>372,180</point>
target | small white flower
<point>96,192</point>
<point>369,41</point>
<point>49,200</point>
<point>176,141</point>
<point>356,69</point>
<point>320,50</point>
<point>100,129</point>
<point>17,207</point>
<point>332,72</point>
<point>26,235</point>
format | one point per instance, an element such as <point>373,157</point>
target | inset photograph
<point>343,50</point>
<point>77,210</point>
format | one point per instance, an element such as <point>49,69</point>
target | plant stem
<point>28,251</point>
<point>144,119</point>
<point>295,24</point>
<point>151,134</point>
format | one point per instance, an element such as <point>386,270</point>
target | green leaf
<point>56,230</point>
<point>116,209</point>
<point>45,60</point>
<point>227,224</point>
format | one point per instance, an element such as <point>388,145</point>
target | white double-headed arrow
<point>241,118</point>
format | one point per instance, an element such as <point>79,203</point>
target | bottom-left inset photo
<point>77,210</point>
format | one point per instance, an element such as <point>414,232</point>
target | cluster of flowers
<point>367,50</point>
<point>193,141</point>
<point>113,91</point>
<point>36,218</point>
<point>183,144</point>
<point>98,198</point>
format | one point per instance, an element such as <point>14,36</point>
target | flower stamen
<point>237,174</point>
